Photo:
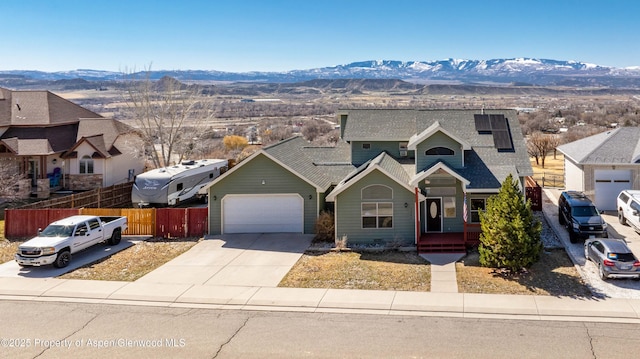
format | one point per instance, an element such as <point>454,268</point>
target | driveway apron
<point>250,260</point>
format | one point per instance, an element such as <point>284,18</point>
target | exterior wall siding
<point>360,155</point>
<point>131,158</point>
<point>248,179</point>
<point>438,139</point>
<point>573,177</point>
<point>349,220</point>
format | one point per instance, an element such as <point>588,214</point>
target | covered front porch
<point>449,242</point>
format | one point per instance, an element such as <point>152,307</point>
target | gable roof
<point>433,169</point>
<point>435,127</point>
<point>383,163</point>
<point>320,166</point>
<point>619,146</point>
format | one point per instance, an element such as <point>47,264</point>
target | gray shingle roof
<point>379,125</point>
<point>39,108</point>
<point>60,138</point>
<point>483,167</point>
<point>619,146</point>
<point>321,166</point>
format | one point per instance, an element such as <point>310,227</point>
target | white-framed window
<point>376,207</point>
<point>86,165</point>
<point>377,215</point>
<point>449,204</point>
<point>477,205</point>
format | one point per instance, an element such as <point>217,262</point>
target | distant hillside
<point>538,72</point>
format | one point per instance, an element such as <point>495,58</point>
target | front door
<point>33,172</point>
<point>434,214</point>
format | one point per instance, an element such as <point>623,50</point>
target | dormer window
<point>439,151</point>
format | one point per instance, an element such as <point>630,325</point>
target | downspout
<point>417,217</point>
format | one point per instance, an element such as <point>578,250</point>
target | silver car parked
<point>613,258</point>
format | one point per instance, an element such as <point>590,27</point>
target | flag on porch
<point>464,208</point>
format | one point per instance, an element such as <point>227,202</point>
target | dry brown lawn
<point>133,262</point>
<point>390,270</point>
<point>554,274</point>
<point>553,171</point>
<point>8,248</point>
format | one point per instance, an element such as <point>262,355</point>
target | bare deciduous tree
<point>313,129</point>
<point>169,115</point>
<point>9,177</point>
<point>538,145</point>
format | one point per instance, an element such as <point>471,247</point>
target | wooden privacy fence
<point>533,192</point>
<point>113,196</point>
<point>160,222</point>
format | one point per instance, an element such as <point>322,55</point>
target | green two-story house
<point>395,177</point>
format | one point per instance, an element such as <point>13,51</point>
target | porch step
<point>450,247</point>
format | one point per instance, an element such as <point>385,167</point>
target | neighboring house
<point>396,176</point>
<point>603,165</point>
<point>61,145</point>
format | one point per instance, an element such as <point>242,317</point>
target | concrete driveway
<point>611,288</point>
<point>248,260</point>
<point>89,255</point>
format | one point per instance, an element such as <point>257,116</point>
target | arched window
<point>377,192</point>
<point>86,165</point>
<point>439,151</point>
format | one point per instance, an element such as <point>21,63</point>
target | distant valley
<point>435,75</point>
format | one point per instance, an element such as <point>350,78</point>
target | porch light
<point>263,182</point>
<point>214,197</point>
<point>55,160</point>
<point>406,205</point>
<point>310,196</point>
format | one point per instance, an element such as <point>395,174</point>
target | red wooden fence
<point>164,222</point>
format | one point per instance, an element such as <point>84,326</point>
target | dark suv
<point>580,216</point>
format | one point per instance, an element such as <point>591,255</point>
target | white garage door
<point>609,183</point>
<point>262,213</point>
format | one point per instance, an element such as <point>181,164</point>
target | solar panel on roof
<point>483,125</point>
<point>498,122</point>
<point>502,140</point>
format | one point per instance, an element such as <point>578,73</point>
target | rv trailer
<point>168,186</point>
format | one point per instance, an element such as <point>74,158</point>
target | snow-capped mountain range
<point>543,72</point>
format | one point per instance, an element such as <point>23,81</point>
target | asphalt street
<point>81,330</point>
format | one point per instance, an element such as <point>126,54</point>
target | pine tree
<point>510,235</point>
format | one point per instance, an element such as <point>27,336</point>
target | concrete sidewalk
<point>191,280</point>
<point>529,307</point>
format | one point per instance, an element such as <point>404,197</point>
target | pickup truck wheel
<point>62,260</point>
<point>621,218</point>
<point>116,236</point>
<point>560,217</point>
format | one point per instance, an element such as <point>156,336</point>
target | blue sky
<point>280,35</point>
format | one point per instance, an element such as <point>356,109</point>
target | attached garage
<point>608,184</point>
<point>263,213</point>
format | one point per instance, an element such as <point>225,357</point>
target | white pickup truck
<point>628,204</point>
<point>56,243</point>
